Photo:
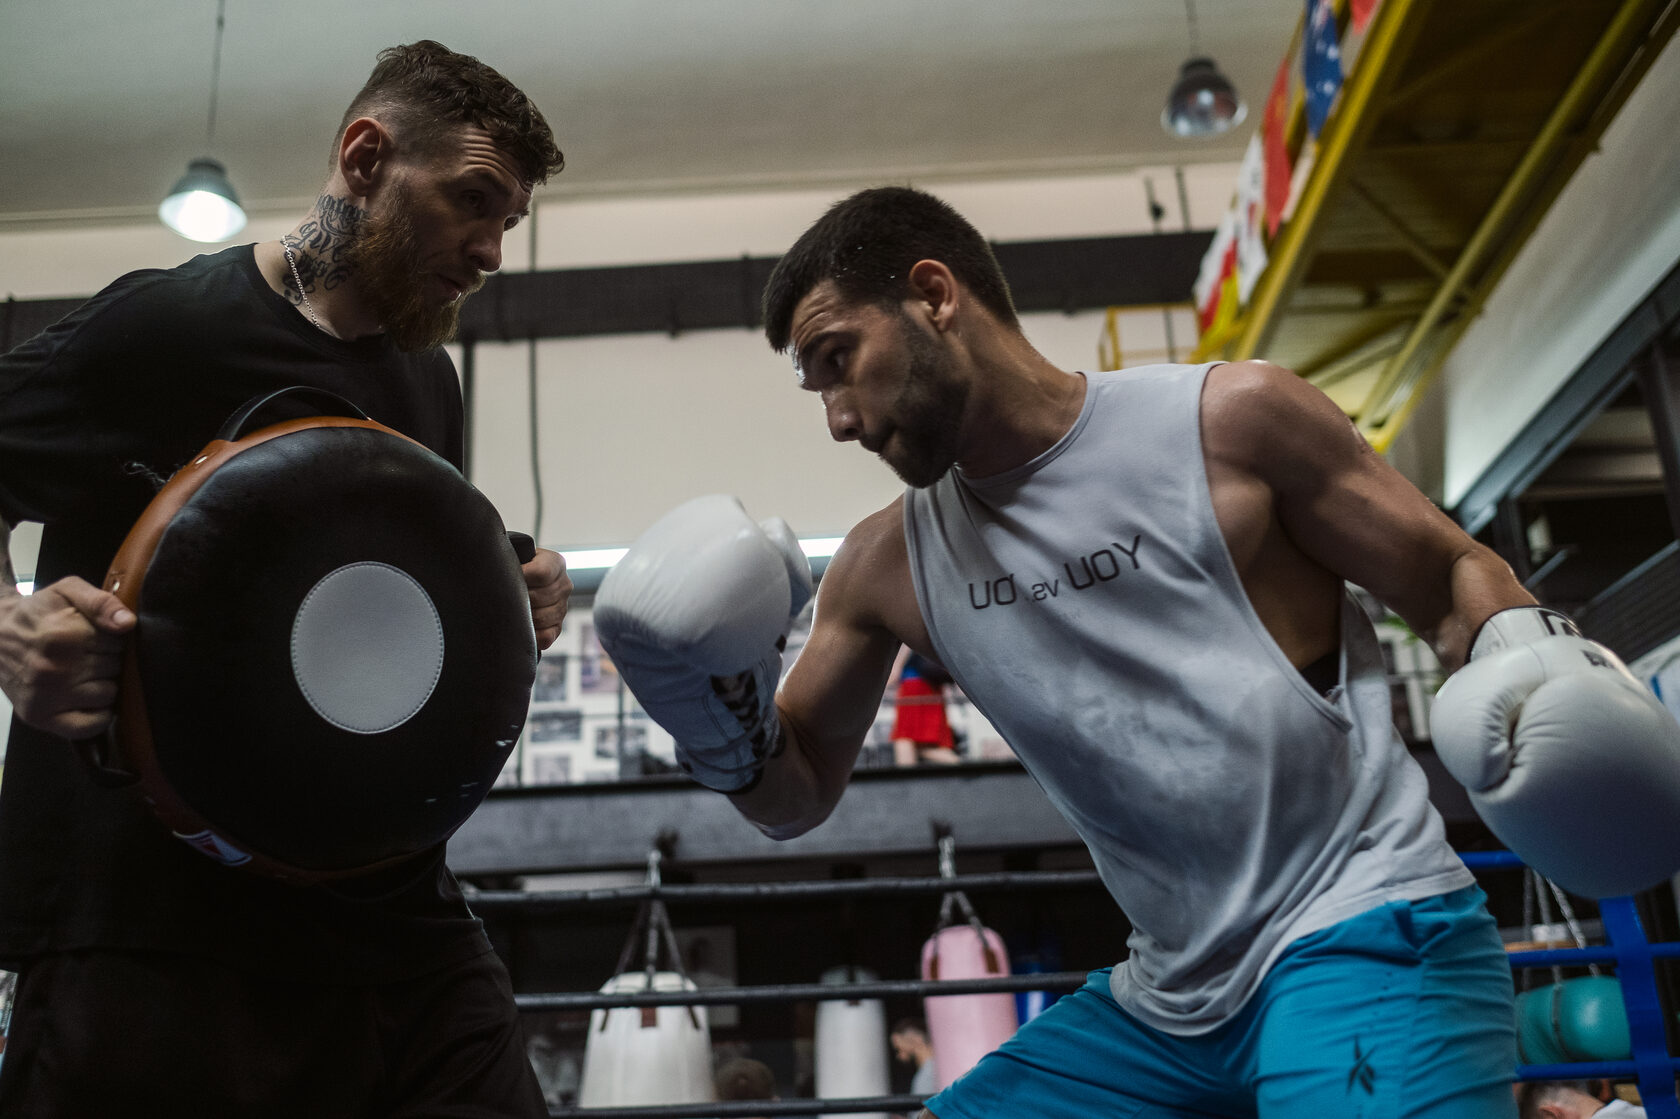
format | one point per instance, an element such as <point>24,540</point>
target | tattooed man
<point>156,981</point>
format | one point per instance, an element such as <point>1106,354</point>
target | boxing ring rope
<point>550,901</point>
<point>807,992</point>
<point>1633,956</point>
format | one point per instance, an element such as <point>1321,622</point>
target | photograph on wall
<point>548,767</point>
<point>596,674</point>
<point>547,727</point>
<point>550,684</point>
<point>612,738</point>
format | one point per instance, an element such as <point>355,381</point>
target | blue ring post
<point>1633,955</point>
<point>1655,1069</point>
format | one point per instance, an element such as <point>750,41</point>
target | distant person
<point>743,1078</point>
<point>910,1044</point>
<point>1574,1099</point>
<point>921,728</point>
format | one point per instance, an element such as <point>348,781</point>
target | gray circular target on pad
<point>367,647</point>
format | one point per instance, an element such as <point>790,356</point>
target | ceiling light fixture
<point>1203,102</point>
<point>202,205</point>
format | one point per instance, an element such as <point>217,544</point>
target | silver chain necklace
<point>308,307</point>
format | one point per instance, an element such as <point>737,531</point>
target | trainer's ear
<point>934,290</point>
<point>365,152</point>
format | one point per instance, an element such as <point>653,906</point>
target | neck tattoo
<point>308,307</point>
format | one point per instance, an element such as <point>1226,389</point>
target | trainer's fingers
<point>92,695</point>
<point>544,569</point>
<point>105,610</point>
<point>77,725</point>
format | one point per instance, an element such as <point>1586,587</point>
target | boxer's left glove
<point>1573,763</point>
<point>695,617</point>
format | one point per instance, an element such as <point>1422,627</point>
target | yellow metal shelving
<point>1456,128</point>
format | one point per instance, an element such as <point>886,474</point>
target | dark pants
<point>102,1033</point>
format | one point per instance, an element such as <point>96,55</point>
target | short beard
<point>384,257</point>
<point>928,413</point>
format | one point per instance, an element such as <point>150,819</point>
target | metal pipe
<point>807,992</point>
<point>549,901</point>
<point>730,1109</point>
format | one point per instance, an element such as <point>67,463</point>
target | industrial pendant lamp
<point>1202,102</point>
<point>202,205</point>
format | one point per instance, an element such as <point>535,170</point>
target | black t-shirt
<point>95,413</point>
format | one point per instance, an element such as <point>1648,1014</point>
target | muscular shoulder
<point>1264,420</point>
<point>873,553</point>
<point>869,578</point>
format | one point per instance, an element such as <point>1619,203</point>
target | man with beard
<point>156,981</point>
<point>1138,577</point>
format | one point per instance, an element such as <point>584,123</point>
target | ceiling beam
<point>1071,275</point>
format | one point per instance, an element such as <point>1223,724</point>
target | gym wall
<point>630,425</point>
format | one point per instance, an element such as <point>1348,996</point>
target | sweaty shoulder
<point>869,578</point>
<point>1263,418</point>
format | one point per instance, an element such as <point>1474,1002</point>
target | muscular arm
<point>1281,453</point>
<point>831,695</point>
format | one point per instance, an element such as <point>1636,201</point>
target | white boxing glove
<point>1573,763</point>
<point>695,617</point>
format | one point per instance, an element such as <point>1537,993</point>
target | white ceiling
<point>102,102</point>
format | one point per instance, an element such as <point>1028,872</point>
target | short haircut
<point>867,244</point>
<point>424,93</point>
<point>743,1078</point>
<point>908,1025</point>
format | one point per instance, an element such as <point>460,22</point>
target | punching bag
<point>851,1043</point>
<point>647,1055</point>
<point>1580,1019</point>
<point>1048,957</point>
<point>964,1028</point>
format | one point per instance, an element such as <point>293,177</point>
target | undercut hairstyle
<point>867,244</point>
<point>424,93</point>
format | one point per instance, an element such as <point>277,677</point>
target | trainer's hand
<point>60,654</point>
<point>550,589</point>
<point>695,617</point>
<point>1572,762</point>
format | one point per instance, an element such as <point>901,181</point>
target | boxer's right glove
<point>1572,763</point>
<point>695,617</point>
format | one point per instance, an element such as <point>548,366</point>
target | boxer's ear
<point>935,292</point>
<point>365,153</point>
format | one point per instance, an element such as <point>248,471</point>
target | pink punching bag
<point>964,1028</point>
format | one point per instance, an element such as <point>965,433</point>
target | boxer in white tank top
<point>1133,575</point>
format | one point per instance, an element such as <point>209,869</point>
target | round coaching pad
<point>334,653</point>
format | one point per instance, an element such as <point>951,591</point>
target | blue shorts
<point>1403,1010</point>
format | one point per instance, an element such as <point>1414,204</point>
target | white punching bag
<point>647,1055</point>
<point>851,1043</point>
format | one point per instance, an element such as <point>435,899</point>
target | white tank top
<point>1088,606</point>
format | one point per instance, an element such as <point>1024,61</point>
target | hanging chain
<point>215,75</point>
